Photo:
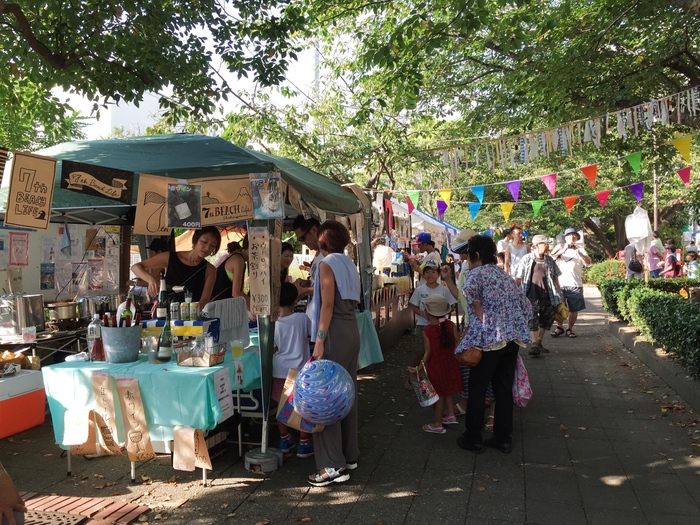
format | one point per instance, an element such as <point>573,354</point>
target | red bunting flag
<point>591,172</point>
<point>550,181</point>
<point>684,174</point>
<point>603,197</point>
<point>569,202</point>
<point>409,205</point>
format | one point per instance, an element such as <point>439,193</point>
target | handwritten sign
<point>138,440</point>
<point>259,271</point>
<point>105,182</point>
<point>31,191</point>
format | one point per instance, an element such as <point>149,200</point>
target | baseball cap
<point>422,237</point>
<point>461,243</point>
<point>436,305</point>
<point>540,239</point>
<point>430,264</point>
<point>159,245</point>
<point>571,230</point>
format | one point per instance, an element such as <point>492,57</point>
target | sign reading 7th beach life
<point>31,191</point>
<point>89,179</point>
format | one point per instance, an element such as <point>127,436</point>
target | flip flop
<point>449,420</point>
<point>432,429</point>
<point>569,333</point>
<point>557,331</point>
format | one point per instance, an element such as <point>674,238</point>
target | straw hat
<point>436,305</point>
<point>461,243</point>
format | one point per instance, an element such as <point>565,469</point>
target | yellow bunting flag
<point>445,196</point>
<point>683,146</point>
<point>506,208</point>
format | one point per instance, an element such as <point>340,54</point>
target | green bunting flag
<point>536,205</point>
<point>635,160</point>
<point>413,195</point>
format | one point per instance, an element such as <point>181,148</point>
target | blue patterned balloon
<point>323,392</point>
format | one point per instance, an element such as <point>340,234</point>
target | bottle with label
<point>127,314</point>
<point>163,309</point>
<point>181,208</point>
<point>165,342</point>
<point>94,339</point>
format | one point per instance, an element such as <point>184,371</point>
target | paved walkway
<point>604,441</point>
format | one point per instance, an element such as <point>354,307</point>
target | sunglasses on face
<point>302,237</point>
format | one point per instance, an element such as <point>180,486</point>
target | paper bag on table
<point>287,414</point>
<point>190,449</point>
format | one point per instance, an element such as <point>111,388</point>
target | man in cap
<point>424,242</point>
<point>571,258</point>
<point>538,275</point>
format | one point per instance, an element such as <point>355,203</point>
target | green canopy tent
<point>181,156</point>
<point>184,156</point>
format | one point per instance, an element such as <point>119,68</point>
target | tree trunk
<point>620,235</point>
<point>609,249</point>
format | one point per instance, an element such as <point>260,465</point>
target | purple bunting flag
<point>514,188</point>
<point>442,208</point>
<point>637,190</point>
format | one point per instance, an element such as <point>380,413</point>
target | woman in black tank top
<point>189,269</point>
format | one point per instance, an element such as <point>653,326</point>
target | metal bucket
<point>121,344</point>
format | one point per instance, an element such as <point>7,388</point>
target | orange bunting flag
<point>683,146</point>
<point>550,181</point>
<point>603,197</point>
<point>569,202</point>
<point>591,172</point>
<point>684,174</point>
<point>445,195</point>
<point>506,208</point>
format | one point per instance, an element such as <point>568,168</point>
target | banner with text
<point>89,179</point>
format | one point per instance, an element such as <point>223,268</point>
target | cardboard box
<point>22,402</point>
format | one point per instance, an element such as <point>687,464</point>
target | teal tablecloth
<point>172,395</point>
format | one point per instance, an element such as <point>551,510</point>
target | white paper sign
<point>222,383</point>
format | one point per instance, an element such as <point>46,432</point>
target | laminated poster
<point>19,249</point>
<point>48,276</point>
<point>184,206</point>
<point>267,195</point>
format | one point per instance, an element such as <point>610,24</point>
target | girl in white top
<point>515,251</point>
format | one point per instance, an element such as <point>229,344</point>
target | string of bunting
<point>682,144</point>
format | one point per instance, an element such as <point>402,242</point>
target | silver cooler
<point>21,311</point>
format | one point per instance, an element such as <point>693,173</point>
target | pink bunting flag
<point>550,182</point>
<point>603,197</point>
<point>514,189</point>
<point>569,202</point>
<point>637,190</point>
<point>591,172</point>
<point>684,174</point>
<point>441,207</point>
<point>409,205</point>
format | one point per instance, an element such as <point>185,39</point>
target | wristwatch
<point>321,334</point>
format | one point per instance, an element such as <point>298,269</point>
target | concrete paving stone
<point>622,516</point>
<point>546,450</point>
<point>677,502</point>
<point>656,518</point>
<point>607,490</point>
<point>627,437</point>
<point>549,428</point>
<point>551,483</point>
<point>553,512</point>
<point>642,458</point>
<point>496,503</point>
<point>451,490</point>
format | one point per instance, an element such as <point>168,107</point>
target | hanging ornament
<point>637,190</point>
<point>684,174</point>
<point>514,189</point>
<point>569,202</point>
<point>603,197</point>
<point>474,209</point>
<point>536,205</point>
<point>683,146</point>
<point>550,182</point>
<point>506,208</point>
<point>445,196</point>
<point>591,172</point>
<point>478,191</point>
<point>635,160</point>
<point>413,196</point>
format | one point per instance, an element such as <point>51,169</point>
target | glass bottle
<point>163,309</point>
<point>181,208</point>
<point>127,314</point>
<point>94,339</point>
<point>165,342</point>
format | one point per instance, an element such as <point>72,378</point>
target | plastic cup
<point>237,349</point>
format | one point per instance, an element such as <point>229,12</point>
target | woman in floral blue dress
<point>499,314</point>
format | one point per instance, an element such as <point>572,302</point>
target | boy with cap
<point>571,258</point>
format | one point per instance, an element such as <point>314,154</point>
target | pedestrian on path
<point>633,262</point>
<point>440,339</point>
<point>515,250</point>
<point>538,277</point>
<point>499,314</point>
<point>571,258</point>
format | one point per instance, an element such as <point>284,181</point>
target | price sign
<point>259,271</point>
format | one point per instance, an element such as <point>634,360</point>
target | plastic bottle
<point>163,309</point>
<point>165,342</point>
<point>94,339</point>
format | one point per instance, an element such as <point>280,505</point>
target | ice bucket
<point>121,344</point>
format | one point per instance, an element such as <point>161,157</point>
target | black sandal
<point>570,333</point>
<point>328,475</point>
<point>557,331</point>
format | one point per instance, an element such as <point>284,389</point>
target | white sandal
<point>488,427</point>
<point>328,475</point>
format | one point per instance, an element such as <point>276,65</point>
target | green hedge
<point>660,313</point>
<point>595,273</point>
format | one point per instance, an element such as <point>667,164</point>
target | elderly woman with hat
<point>538,276</point>
<point>571,258</point>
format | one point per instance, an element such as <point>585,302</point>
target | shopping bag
<point>562,312</point>
<point>287,414</point>
<point>424,389</point>
<point>522,393</point>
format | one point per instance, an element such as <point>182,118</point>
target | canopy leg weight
<point>267,461</point>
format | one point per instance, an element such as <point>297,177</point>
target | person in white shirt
<point>515,251</point>
<point>292,332</point>
<point>306,231</point>
<point>505,242</point>
<point>571,258</point>
<point>691,247</point>
<point>424,243</point>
